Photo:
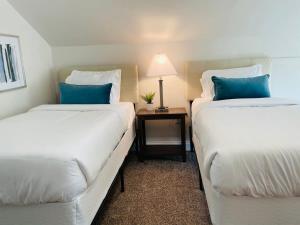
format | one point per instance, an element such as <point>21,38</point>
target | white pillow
<point>98,78</point>
<point>208,86</point>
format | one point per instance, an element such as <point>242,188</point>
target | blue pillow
<point>232,88</point>
<point>84,94</point>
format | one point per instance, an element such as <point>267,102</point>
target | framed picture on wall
<point>11,68</point>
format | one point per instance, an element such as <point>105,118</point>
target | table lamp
<point>159,67</point>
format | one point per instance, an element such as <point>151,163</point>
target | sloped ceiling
<point>93,22</point>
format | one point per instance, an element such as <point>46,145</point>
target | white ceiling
<point>92,22</point>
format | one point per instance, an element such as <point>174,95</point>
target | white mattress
<point>250,147</point>
<point>53,153</point>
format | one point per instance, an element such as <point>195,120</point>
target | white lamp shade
<point>161,66</point>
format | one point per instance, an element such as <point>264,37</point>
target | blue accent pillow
<point>232,88</point>
<point>84,94</point>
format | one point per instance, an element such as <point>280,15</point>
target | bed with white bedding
<point>82,138</point>
<point>253,143</point>
<point>248,151</point>
<point>58,162</point>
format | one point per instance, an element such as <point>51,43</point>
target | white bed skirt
<point>233,210</point>
<point>82,210</point>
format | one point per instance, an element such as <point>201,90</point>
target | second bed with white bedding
<point>54,152</point>
<point>250,147</point>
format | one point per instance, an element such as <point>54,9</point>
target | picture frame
<point>12,75</point>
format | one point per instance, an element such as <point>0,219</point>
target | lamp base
<point>162,109</point>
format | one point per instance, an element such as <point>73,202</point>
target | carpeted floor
<point>158,192</point>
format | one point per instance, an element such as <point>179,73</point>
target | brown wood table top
<point>172,111</point>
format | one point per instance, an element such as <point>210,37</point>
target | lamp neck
<point>161,93</point>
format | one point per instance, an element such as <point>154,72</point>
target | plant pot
<point>150,107</point>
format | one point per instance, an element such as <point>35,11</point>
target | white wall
<point>285,75</point>
<point>37,61</point>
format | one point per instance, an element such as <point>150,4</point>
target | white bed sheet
<point>80,211</point>
<point>250,147</point>
<point>54,152</point>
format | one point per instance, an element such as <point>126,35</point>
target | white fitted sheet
<point>251,147</point>
<point>54,152</point>
<point>80,211</point>
<point>245,210</point>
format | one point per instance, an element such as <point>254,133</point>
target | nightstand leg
<point>191,139</point>
<point>136,143</point>
<point>143,132</point>
<point>183,141</point>
<point>141,135</point>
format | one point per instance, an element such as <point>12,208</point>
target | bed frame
<point>86,208</point>
<point>120,175</point>
<point>234,210</point>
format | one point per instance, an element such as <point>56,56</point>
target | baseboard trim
<point>169,142</point>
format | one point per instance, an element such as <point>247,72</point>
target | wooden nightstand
<point>161,150</point>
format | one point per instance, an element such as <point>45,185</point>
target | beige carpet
<point>158,192</point>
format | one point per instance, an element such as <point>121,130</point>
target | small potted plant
<point>148,98</point>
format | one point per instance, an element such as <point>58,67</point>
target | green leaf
<point>148,97</point>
